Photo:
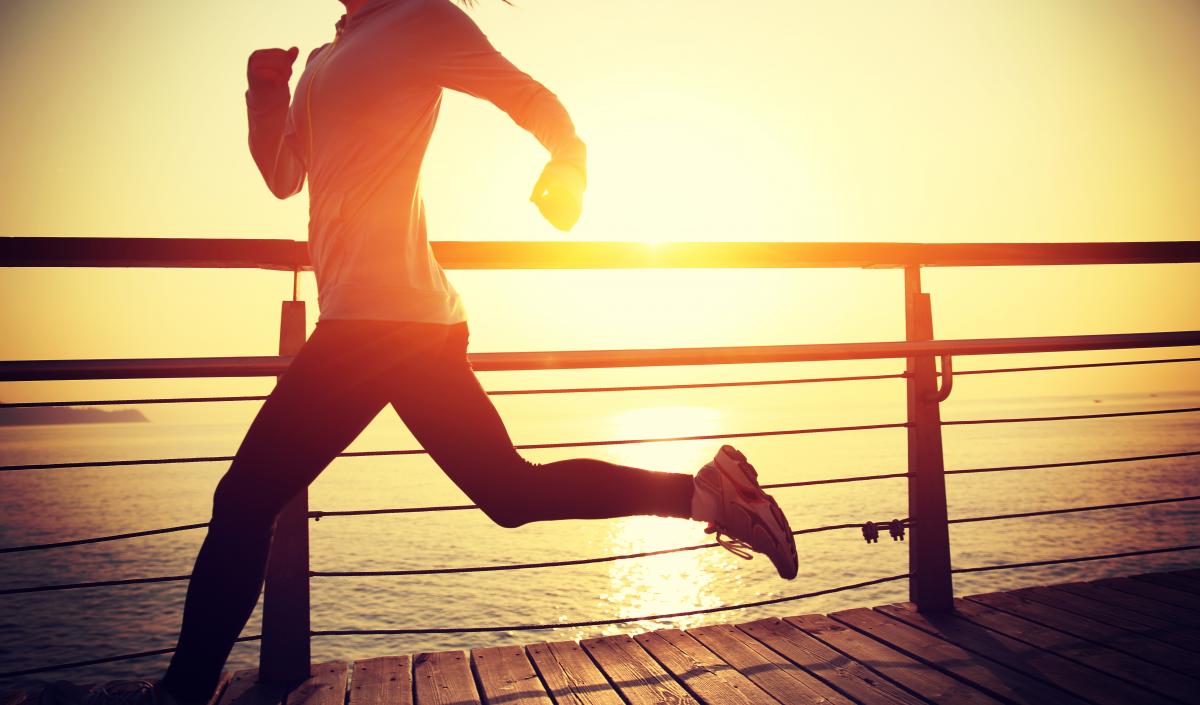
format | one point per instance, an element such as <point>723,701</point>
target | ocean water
<point>44,506</point>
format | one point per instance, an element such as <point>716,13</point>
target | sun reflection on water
<point>667,422</point>
<point>677,581</point>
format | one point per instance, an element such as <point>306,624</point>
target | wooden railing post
<point>930,585</point>
<point>285,654</point>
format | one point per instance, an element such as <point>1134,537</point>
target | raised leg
<point>450,414</point>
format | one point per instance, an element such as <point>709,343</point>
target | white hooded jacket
<point>358,128</point>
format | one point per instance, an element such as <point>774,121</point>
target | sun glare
<point>718,175</point>
<point>666,422</point>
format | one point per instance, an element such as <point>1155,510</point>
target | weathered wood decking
<point>1110,642</point>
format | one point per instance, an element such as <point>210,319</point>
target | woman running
<point>392,330</point>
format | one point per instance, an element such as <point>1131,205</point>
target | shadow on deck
<point>1117,641</point>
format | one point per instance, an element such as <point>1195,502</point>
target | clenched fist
<point>558,194</point>
<point>270,68</point>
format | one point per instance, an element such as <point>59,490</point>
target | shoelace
<point>737,547</point>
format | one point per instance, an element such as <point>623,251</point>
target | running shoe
<point>136,692</point>
<point>743,517</point>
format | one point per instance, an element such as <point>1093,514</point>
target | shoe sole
<point>733,466</point>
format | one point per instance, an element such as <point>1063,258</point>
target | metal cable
<point>550,564</point>
<point>834,480</point>
<point>628,388</point>
<point>126,402</point>
<point>1077,559</point>
<point>607,622</point>
<point>1072,510</point>
<point>818,529</point>
<point>94,584</point>
<point>611,442</point>
<point>1073,416</point>
<point>318,514</point>
<point>525,627</point>
<point>431,571</point>
<point>759,603</point>
<point>587,561</point>
<point>106,659</point>
<point>1040,368</point>
<point>696,385</point>
<point>494,393</point>
<point>1075,463</point>
<point>113,463</point>
<point>421,451</point>
<point>101,539</point>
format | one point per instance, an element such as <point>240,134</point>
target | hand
<point>271,68</point>
<point>558,194</point>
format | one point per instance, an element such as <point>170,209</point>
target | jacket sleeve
<point>464,60</point>
<point>281,166</point>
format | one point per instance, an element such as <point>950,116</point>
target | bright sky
<point>929,120</point>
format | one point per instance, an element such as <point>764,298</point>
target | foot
<point>139,692</point>
<point>727,495</point>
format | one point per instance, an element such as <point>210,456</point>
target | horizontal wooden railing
<point>270,366</point>
<point>291,255</point>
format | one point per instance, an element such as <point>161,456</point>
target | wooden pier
<point>1110,642</point>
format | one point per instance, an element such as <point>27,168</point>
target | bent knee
<point>506,498</point>
<point>505,516</point>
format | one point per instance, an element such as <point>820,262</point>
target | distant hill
<point>40,416</point>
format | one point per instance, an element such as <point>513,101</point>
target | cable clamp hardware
<point>895,529</point>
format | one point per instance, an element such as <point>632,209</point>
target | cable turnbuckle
<point>895,529</point>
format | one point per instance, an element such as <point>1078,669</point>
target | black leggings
<point>342,378</point>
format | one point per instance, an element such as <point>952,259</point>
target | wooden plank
<point>779,677</point>
<point>386,680</point>
<point>928,683</point>
<point>444,678</point>
<point>842,673</point>
<point>506,676</point>
<point>1148,675</point>
<point>1136,622</point>
<point>326,686</point>
<point>634,672</point>
<point>1151,591</point>
<point>1134,603</point>
<point>1076,678</point>
<point>1175,582</point>
<point>1103,633</point>
<point>570,675</point>
<point>245,689</point>
<point>1193,575</point>
<point>989,676</point>
<point>709,679</point>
